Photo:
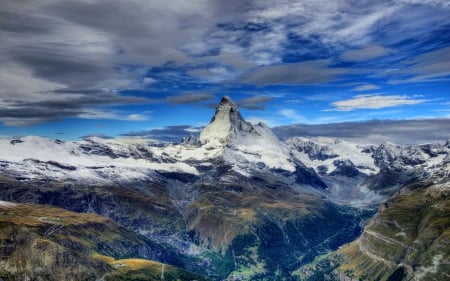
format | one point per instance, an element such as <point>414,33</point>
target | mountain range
<point>234,203</point>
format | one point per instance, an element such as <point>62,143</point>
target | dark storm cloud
<point>375,131</point>
<point>166,134</point>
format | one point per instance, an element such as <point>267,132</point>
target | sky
<point>157,69</point>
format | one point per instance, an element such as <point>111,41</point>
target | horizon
<point>67,73</point>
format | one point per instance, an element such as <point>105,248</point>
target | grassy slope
<point>48,243</point>
<point>408,240</point>
<point>144,270</point>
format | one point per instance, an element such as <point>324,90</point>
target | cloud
<point>235,60</point>
<point>374,102</point>
<point>137,117</point>
<point>254,103</point>
<point>102,136</point>
<point>166,134</point>
<point>427,67</point>
<point>257,119</point>
<point>368,53</point>
<point>190,98</point>
<point>149,81</point>
<point>292,115</point>
<point>365,87</point>
<point>374,131</point>
<point>310,72</point>
<point>319,97</point>
<point>438,3</point>
<point>340,22</point>
<point>74,103</point>
<point>213,74</point>
<point>52,45</point>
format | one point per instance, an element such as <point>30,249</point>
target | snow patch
<point>6,204</point>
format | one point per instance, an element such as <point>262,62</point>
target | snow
<point>344,151</point>
<point>240,143</point>
<point>6,204</point>
<point>218,131</point>
<point>22,156</point>
<point>228,137</point>
<point>263,147</point>
<point>434,161</point>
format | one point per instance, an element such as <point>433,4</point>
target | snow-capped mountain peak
<point>242,143</point>
<point>226,125</point>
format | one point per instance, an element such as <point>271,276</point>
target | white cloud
<point>358,29</point>
<point>193,130</point>
<point>292,115</point>
<point>149,81</point>
<point>319,97</point>
<point>137,117</point>
<point>365,87</point>
<point>256,119</point>
<point>214,74</point>
<point>94,113</point>
<point>374,102</point>
<point>335,22</point>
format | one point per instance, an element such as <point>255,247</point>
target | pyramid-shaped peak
<point>226,120</point>
<point>226,103</point>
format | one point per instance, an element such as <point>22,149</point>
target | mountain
<point>407,240</point>
<point>45,243</point>
<point>234,203</point>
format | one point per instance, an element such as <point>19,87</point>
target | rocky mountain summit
<point>234,202</point>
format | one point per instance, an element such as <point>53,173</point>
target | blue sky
<point>136,68</point>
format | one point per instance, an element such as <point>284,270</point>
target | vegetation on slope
<point>145,270</point>
<point>260,233</point>
<point>47,243</point>
<point>408,240</point>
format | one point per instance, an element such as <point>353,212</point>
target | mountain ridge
<point>237,199</point>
